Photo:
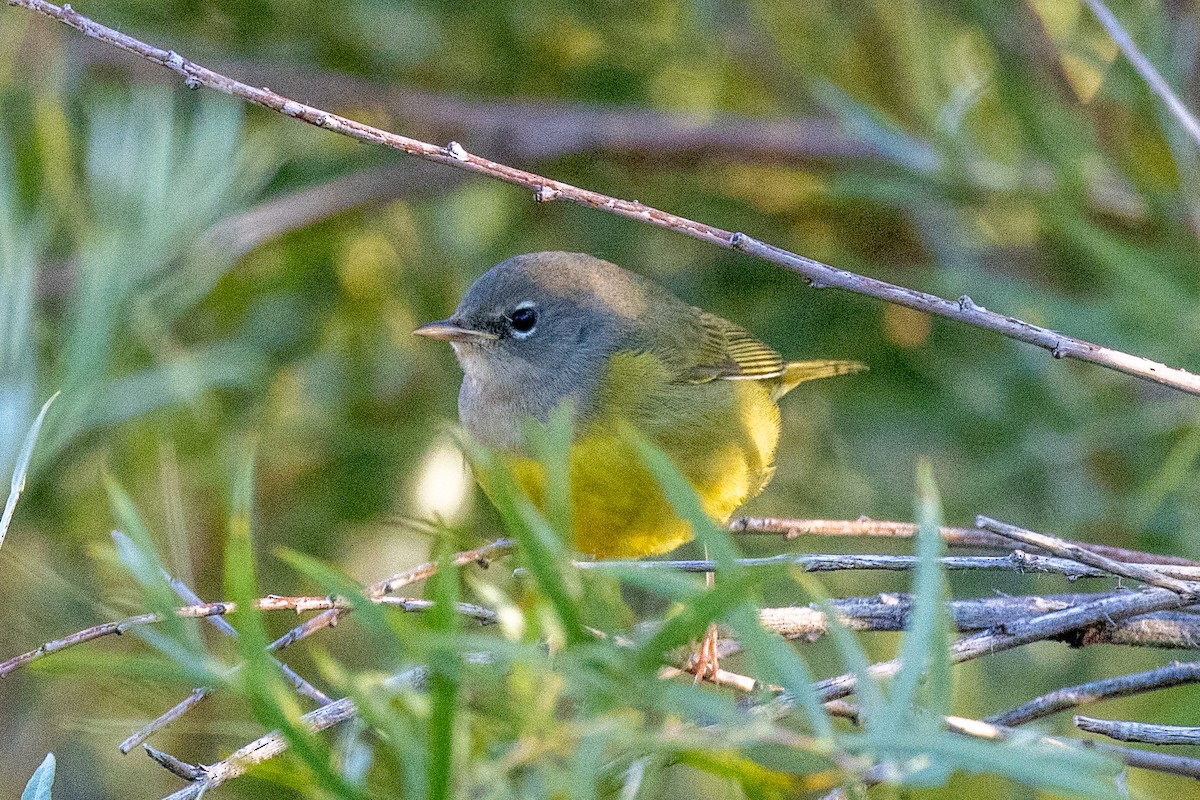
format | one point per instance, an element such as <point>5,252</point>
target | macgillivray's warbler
<point>541,329</point>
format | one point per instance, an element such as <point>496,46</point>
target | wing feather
<point>729,352</point>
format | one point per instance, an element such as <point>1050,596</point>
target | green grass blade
<point>924,647</point>
<point>851,652</point>
<point>444,676</point>
<point>21,469</point>
<point>775,661</point>
<point>542,550</point>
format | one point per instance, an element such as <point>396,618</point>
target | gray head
<point>536,330</point>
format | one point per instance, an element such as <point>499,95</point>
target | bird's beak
<point>449,330</point>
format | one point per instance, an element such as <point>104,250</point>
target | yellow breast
<point>720,434</point>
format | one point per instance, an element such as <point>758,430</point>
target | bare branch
<point>544,189</point>
<point>163,720</point>
<point>189,772</point>
<point>1016,561</point>
<point>960,537</point>
<point>1101,612</point>
<point>891,612</point>
<point>1175,765</point>
<point>1155,576</point>
<point>1143,732</point>
<point>302,686</point>
<point>200,692</point>
<point>1175,674</point>
<point>274,743</point>
<point>376,592</point>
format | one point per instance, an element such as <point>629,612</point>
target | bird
<point>540,330</point>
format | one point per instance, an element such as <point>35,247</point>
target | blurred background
<point>197,277</point>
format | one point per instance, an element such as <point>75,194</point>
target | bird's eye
<point>523,320</point>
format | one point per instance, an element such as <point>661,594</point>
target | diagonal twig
<point>1122,686</point>
<point>1150,75</point>
<point>1155,576</point>
<point>198,694</point>
<point>1104,611</point>
<point>375,592</point>
<point>1143,732</point>
<point>544,189</point>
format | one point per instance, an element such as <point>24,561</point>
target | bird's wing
<point>728,352</point>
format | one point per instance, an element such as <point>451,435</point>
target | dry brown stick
<point>1175,674</point>
<point>176,711</point>
<point>1153,575</point>
<point>545,189</point>
<point>1104,611</point>
<point>1143,732</point>
<point>960,537</point>
<point>271,603</point>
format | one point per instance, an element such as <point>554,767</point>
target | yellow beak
<point>450,331</point>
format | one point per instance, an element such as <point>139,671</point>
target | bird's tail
<point>797,372</point>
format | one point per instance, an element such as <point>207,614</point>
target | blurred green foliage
<point>1015,159</point>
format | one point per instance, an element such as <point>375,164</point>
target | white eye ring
<point>518,318</point>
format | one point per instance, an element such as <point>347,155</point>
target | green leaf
<point>683,499</point>
<point>444,675</point>
<point>21,469</point>
<point>775,661</point>
<point>852,654</point>
<point>175,637</point>
<point>541,548</point>
<point>269,695</point>
<point>924,649</point>
<point>551,444</point>
<point>371,616</point>
<point>39,785</point>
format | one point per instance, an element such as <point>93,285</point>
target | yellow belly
<point>721,436</point>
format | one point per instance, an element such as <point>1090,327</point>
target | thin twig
<point>955,537</point>
<point>1175,765</point>
<point>1175,674</point>
<point>163,720</point>
<point>1102,612</point>
<point>189,772</point>
<point>302,686</point>
<point>978,729</point>
<point>1150,75</point>
<point>376,592</point>
<point>1155,576</point>
<point>1143,732</point>
<point>544,189</point>
<point>271,603</point>
<point>891,612</point>
<point>200,692</point>
<point>1016,561</point>
<point>274,743</point>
